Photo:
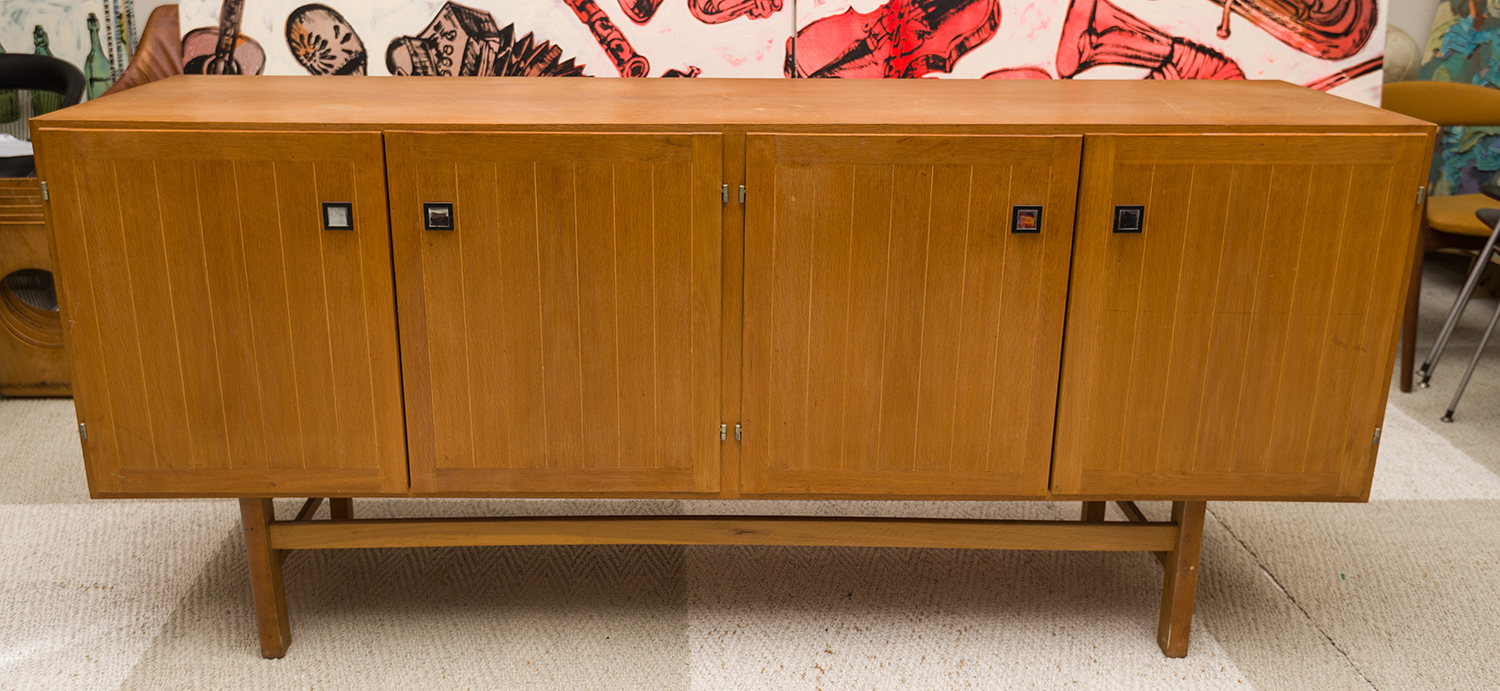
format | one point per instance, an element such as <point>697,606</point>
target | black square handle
<point>338,216</point>
<point>437,216</point>
<point>1130,218</point>
<point>1025,219</point>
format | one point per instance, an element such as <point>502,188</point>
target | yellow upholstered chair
<point>1447,222</point>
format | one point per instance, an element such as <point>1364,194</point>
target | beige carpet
<point>1395,594</point>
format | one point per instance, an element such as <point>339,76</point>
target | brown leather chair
<point>1447,222</point>
<point>159,53</point>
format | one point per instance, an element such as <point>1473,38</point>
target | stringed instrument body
<point>902,38</point>
<point>1329,29</point>
<point>223,49</point>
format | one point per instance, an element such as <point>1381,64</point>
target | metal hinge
<point>45,197</point>
<point>83,431</point>
<point>742,194</point>
<point>1421,195</point>
<point>723,432</point>
<point>725,190</point>
<point>1376,440</point>
<point>737,431</point>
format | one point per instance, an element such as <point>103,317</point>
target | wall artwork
<point>1465,47</point>
<point>1332,45</point>
<point>593,38</point>
<point>96,36</point>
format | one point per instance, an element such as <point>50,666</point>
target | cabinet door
<point>563,336</point>
<point>901,333</point>
<point>223,343</point>
<point>1241,344</point>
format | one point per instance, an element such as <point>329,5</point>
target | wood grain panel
<point>956,106</point>
<point>1240,345</point>
<point>899,339</point>
<point>32,359</point>
<point>221,330</point>
<point>920,533</point>
<point>570,325</point>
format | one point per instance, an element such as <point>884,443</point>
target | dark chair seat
<point>36,73</point>
<point>17,167</point>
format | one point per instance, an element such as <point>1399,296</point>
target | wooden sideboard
<point>1084,290</point>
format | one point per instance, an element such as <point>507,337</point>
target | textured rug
<point>1394,594</point>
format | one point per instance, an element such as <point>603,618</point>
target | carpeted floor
<point>1395,594</point>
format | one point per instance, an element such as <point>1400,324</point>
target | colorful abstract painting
<point>1334,45</point>
<point>1465,47</point>
<point>596,38</point>
<point>1327,44</point>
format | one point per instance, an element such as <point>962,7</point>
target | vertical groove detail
<point>1328,299</point>
<point>916,427</point>
<point>989,428</point>
<point>885,306</point>
<point>963,295</point>
<point>578,324</point>
<point>333,384</point>
<point>135,319</point>
<point>1136,318</point>
<point>655,352</point>
<point>291,334</point>
<point>213,321</point>
<point>614,226</point>
<point>848,314</point>
<point>536,226</point>
<point>166,272</point>
<point>239,219</point>
<point>463,291</point>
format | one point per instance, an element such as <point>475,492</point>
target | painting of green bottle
<point>43,101</point>
<point>96,72</point>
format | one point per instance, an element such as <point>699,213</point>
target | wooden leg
<point>1409,320</point>
<point>1093,511</point>
<point>265,578</point>
<point>1181,582</point>
<point>341,509</point>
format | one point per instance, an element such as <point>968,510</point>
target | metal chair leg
<point>1425,372</point>
<point>1473,361</point>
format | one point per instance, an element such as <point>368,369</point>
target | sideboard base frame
<point>1175,543</point>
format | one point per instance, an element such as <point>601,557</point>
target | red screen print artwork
<point>1329,29</point>
<point>1097,32</point>
<point>913,38</point>
<point>707,11</point>
<point>626,60</point>
<point>902,38</point>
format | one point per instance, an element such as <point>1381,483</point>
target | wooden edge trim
<point>724,530</point>
<point>309,508</point>
<point>1134,514</point>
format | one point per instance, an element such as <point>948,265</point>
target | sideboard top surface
<point>733,104</point>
